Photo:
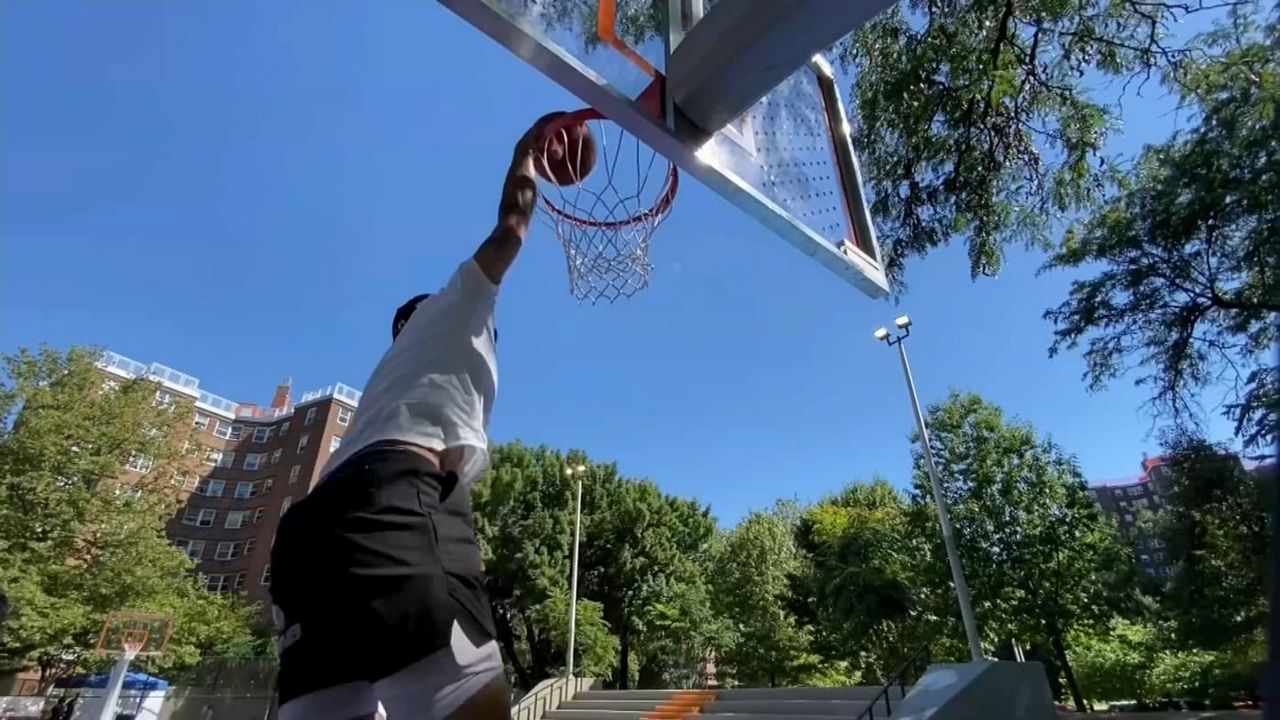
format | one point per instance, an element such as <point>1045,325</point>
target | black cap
<point>404,312</point>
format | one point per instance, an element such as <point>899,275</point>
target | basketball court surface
<point>736,94</point>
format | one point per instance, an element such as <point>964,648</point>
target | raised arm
<point>519,195</point>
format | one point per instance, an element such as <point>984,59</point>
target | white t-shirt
<point>435,385</point>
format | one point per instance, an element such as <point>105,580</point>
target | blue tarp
<point>132,681</point>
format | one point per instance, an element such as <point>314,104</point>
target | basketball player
<point>375,575</point>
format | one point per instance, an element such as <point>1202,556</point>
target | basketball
<point>568,154</point>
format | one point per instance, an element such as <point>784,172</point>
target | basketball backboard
<point>134,633</point>
<point>748,104</point>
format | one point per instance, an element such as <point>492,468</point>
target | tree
<point>860,588</point>
<point>1188,285</point>
<point>87,471</point>
<point>974,119</point>
<point>1039,558</point>
<point>751,574</point>
<point>524,521</point>
<point>1216,534</point>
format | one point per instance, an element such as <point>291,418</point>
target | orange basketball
<point>568,153</point>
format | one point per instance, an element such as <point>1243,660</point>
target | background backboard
<point>151,630</point>
<point>787,160</point>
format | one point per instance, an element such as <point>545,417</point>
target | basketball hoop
<point>129,634</point>
<point>132,642</point>
<point>604,220</point>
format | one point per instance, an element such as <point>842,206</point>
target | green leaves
<point>1186,290</point>
<point>80,537</point>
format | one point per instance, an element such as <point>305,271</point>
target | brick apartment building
<point>1126,500</point>
<point>258,460</point>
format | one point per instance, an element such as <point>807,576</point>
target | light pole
<point>577,472</point>
<point>903,323</point>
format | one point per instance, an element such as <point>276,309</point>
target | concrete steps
<point>731,704</point>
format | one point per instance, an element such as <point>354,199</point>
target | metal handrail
<point>899,680</point>
<point>547,695</point>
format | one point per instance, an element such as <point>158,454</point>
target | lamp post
<point>903,323</point>
<point>577,472</point>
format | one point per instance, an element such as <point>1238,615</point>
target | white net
<point>605,219</point>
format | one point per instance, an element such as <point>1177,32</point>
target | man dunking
<point>375,575</point>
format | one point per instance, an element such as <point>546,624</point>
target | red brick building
<point>258,460</point>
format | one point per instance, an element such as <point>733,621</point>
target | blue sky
<point>245,191</point>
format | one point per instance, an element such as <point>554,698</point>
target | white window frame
<point>267,484</point>
<point>237,432</point>
<point>276,455</point>
<point>1128,517</point>
<point>284,427</point>
<point>227,550</point>
<point>246,490</point>
<point>294,473</point>
<point>285,503</point>
<point>195,517</point>
<point>239,516</point>
<point>201,422</point>
<point>219,583</point>
<point>249,546</point>
<point>140,463</point>
<point>335,442</point>
<point>311,416</point>
<point>109,385</point>
<point>344,416</point>
<point>257,515</point>
<point>237,585</point>
<point>188,546</point>
<point>266,574</point>
<point>1117,492</point>
<point>163,398</point>
<point>253,461</point>
<point>303,442</point>
<point>210,484</point>
<point>1135,490</point>
<point>263,433</point>
<point>221,429</point>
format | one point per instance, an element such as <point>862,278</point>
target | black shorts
<point>373,572</point>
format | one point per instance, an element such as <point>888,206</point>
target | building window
<point>263,434</point>
<point>1117,492</point>
<point>275,455</point>
<point>249,546</point>
<point>266,575</point>
<point>202,421</point>
<point>210,487</point>
<point>344,416</point>
<point>268,484</point>
<point>334,443</point>
<point>221,429</point>
<point>237,432</point>
<point>199,517</point>
<point>1123,504</point>
<point>311,416</point>
<point>193,549</point>
<point>239,584</point>
<point>110,386</point>
<point>1140,502</point>
<point>219,458</point>
<point>1128,517</point>
<point>1144,558</point>
<point>257,515</point>
<point>302,442</point>
<point>284,427</point>
<point>246,490</point>
<point>1149,570</point>
<point>294,472</point>
<point>217,583</point>
<point>1157,543</point>
<point>1159,557</point>
<point>1136,490</point>
<point>164,398</point>
<point>140,463</point>
<point>253,461</point>
<point>284,505</point>
<point>236,519</point>
<point>181,480</point>
<point>227,551</point>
